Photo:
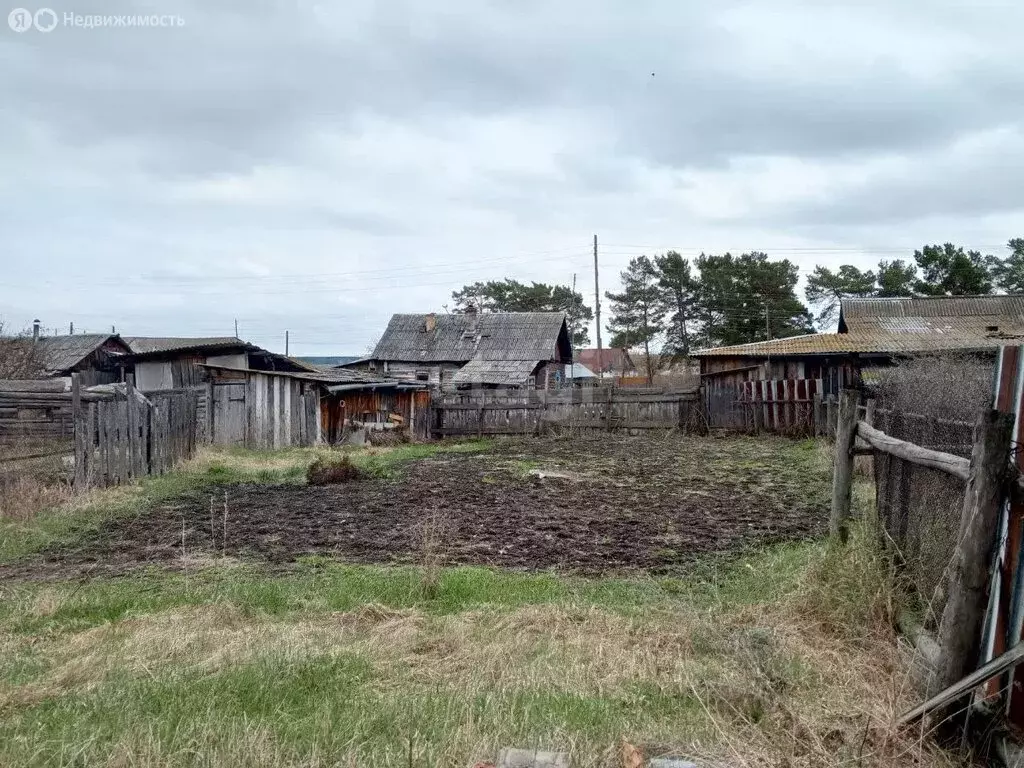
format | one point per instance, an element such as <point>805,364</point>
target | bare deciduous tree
<point>19,358</point>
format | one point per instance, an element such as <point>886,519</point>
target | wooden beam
<point>925,457</point>
<point>995,667</point>
<point>964,613</point>
<point>842,476</point>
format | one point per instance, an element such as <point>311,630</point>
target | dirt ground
<point>605,505</point>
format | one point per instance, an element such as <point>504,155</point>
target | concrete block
<point>531,758</point>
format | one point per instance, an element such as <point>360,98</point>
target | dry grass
<point>22,497</point>
<point>813,678</point>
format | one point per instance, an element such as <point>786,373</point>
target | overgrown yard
<point>665,592</point>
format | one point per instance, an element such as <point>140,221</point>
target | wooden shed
<point>261,409</point>
<point>279,409</point>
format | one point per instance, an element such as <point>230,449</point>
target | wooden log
<point>964,613</point>
<point>51,398</point>
<point>842,476</point>
<point>925,457</point>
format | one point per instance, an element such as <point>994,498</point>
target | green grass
<point>780,655</point>
<point>336,664</point>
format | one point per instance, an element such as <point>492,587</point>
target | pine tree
<point>638,310</point>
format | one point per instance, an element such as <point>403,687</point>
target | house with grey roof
<point>97,358</point>
<point>488,349</point>
<point>873,332</point>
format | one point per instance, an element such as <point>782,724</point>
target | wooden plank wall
<point>515,412</point>
<point>125,436</point>
<point>783,406</point>
<point>35,411</point>
<point>265,412</point>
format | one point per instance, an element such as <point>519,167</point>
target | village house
<point>872,333</point>
<point>615,362</point>
<point>96,358</point>
<point>491,349</point>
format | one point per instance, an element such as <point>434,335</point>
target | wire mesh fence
<point>933,403</point>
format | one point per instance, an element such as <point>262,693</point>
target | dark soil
<point>612,505</point>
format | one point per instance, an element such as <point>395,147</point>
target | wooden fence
<point>123,435</point>
<point>511,412</point>
<point>794,407</point>
<point>966,606</point>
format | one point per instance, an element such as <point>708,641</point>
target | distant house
<point>873,333</point>
<point>97,358</point>
<point>581,376</point>
<point>176,362</point>
<point>492,349</point>
<point>610,362</point>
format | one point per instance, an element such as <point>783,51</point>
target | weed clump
<point>330,472</point>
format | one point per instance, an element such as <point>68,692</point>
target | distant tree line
<point>669,305</point>
<point>936,270</point>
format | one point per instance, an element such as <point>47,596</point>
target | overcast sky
<point>317,166</point>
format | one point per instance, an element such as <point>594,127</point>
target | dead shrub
<point>23,496</point>
<point>434,531</point>
<point>387,437</point>
<point>332,471</point>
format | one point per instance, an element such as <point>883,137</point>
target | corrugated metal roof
<point>871,313</point>
<point>459,338</point>
<point>903,326</point>
<point>62,353</point>
<point>323,376</point>
<point>144,345</point>
<point>937,340</point>
<point>500,372</point>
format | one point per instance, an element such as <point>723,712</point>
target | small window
<point>372,366</point>
<point>422,375</point>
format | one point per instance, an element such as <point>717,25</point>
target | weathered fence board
<point>783,406</point>
<point>503,412</point>
<point>123,436</point>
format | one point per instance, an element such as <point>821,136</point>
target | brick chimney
<point>430,323</point>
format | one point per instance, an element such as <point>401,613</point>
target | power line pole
<point>286,343</point>
<point>236,327</point>
<point>597,315</point>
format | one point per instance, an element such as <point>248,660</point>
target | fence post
<point>79,427</point>
<point>209,410</point>
<point>842,476</point>
<point>960,627</point>
<point>819,415</point>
